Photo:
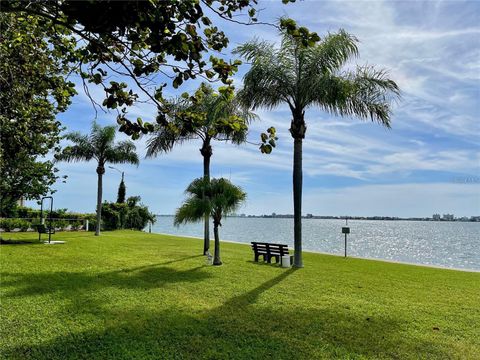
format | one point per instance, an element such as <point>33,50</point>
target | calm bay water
<point>448,244</point>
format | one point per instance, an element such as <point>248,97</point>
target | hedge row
<point>29,213</point>
<point>9,224</point>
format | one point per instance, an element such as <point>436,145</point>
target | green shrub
<point>113,215</point>
<point>92,225</point>
<point>138,218</point>
<point>5,224</point>
<point>129,215</point>
<point>23,225</point>
<point>58,224</point>
<point>26,212</point>
<point>11,224</point>
<point>26,218</point>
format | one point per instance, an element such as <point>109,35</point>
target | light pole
<point>121,172</point>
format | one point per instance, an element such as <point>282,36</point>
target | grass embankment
<point>136,295</point>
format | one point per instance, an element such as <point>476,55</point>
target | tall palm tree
<point>217,197</point>
<point>207,116</point>
<point>99,145</point>
<point>306,76</point>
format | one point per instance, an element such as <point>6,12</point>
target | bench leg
<point>256,257</point>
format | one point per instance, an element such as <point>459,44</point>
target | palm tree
<point>99,145</point>
<point>306,76</point>
<point>207,116</point>
<point>217,197</point>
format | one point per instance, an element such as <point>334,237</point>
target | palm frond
<point>211,115</point>
<point>75,153</point>
<point>305,76</point>
<point>226,198</point>
<point>217,197</point>
<point>269,81</point>
<point>254,50</point>
<point>99,145</point>
<point>198,187</point>
<point>82,150</point>
<point>124,152</point>
<point>102,137</point>
<point>372,92</point>
<point>163,139</point>
<point>332,53</point>
<point>192,210</point>
<point>366,93</point>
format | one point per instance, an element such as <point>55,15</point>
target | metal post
<point>346,231</point>
<point>42,222</point>
<point>346,224</point>
<point>150,227</point>
<point>42,219</point>
<point>86,225</point>
<point>50,220</point>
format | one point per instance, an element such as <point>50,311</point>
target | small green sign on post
<point>346,230</point>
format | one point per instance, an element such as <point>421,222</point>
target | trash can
<point>286,261</point>
<point>209,259</point>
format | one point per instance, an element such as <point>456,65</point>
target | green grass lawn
<point>134,295</point>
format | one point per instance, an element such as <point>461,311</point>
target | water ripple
<point>448,244</point>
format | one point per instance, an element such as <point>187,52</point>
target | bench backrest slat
<point>274,249</point>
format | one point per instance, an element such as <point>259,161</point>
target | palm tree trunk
<point>297,202</point>
<point>216,258</point>
<point>297,129</point>
<point>100,172</point>
<point>206,152</point>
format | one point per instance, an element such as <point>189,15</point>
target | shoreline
<point>337,255</point>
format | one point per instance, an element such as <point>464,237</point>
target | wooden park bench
<point>269,251</point>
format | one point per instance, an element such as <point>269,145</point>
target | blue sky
<point>428,162</point>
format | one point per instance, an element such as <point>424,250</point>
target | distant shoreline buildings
<point>435,217</point>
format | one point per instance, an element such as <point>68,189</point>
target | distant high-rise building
<point>448,217</point>
<point>436,217</point>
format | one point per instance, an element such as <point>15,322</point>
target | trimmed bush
<point>12,224</point>
<point>130,215</point>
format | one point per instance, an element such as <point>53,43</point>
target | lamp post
<point>121,172</point>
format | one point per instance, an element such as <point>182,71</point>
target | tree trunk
<point>206,152</point>
<point>216,258</point>
<point>297,202</point>
<point>100,172</point>
<point>297,129</point>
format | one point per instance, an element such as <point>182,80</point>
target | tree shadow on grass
<point>132,269</point>
<point>241,328</point>
<point>71,283</point>
<point>5,242</point>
